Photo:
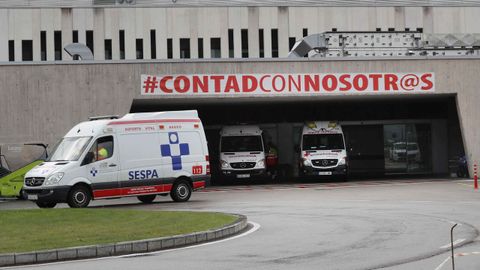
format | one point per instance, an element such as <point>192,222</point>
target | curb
<point>123,248</point>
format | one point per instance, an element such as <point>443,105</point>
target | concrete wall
<point>214,22</point>
<point>41,102</point>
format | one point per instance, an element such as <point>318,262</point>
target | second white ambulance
<point>323,150</point>
<point>140,154</point>
<point>242,152</point>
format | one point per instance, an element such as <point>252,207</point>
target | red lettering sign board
<point>287,84</point>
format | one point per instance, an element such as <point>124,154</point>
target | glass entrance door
<point>407,148</point>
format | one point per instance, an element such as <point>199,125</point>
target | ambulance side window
<point>102,149</point>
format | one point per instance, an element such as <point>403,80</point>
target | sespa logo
<point>142,174</point>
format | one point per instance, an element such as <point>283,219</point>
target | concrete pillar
<point>253,36</point>
<point>67,28</point>
<point>283,32</point>
<point>427,20</point>
<point>99,34</point>
<point>4,35</point>
<point>399,18</point>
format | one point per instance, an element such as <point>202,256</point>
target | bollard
<point>475,176</point>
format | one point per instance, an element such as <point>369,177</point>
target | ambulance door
<point>101,167</point>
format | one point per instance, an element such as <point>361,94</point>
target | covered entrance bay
<point>384,135</point>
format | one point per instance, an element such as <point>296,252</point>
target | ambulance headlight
<point>54,179</point>
<point>224,164</point>
<point>342,161</point>
<point>306,162</point>
<point>261,163</point>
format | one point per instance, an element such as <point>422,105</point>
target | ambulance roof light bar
<point>93,118</point>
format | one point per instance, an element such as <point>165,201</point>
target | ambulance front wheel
<point>79,197</point>
<point>181,191</point>
<point>146,198</point>
<point>46,204</point>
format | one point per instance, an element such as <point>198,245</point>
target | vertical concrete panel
<point>127,22</point>
<point>194,23</point>
<point>428,20</point>
<point>414,17</point>
<point>385,17</point>
<point>147,25</point>
<point>99,34</point>
<point>283,32</point>
<point>67,28</point>
<point>353,22</point>
<point>470,19</point>
<point>253,22</point>
<point>4,35</point>
<point>223,32</point>
<point>160,24</point>
<point>399,18</point>
<point>48,26</point>
<point>268,20</point>
<point>36,34</point>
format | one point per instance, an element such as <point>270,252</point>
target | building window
<point>305,32</point>
<point>291,43</point>
<point>261,43</point>
<point>274,42</point>
<point>11,50</point>
<point>231,52</point>
<point>244,34</point>
<point>153,44</point>
<point>108,49</point>
<point>200,48</point>
<point>139,48</point>
<point>215,48</point>
<point>27,50</point>
<point>57,44</point>
<point>169,48</point>
<point>43,45</point>
<point>89,35</point>
<point>75,36</point>
<point>184,48</point>
<point>121,43</point>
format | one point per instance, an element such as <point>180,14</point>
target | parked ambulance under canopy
<point>407,116</point>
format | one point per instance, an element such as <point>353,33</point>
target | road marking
<point>255,227</point>
<point>454,244</point>
<point>442,264</point>
<point>456,256</point>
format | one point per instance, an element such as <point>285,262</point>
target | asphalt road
<point>354,225</point>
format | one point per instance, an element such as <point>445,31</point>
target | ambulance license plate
<point>32,197</point>
<point>324,173</point>
<point>243,175</point>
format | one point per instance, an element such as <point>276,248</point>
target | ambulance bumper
<point>312,171</point>
<point>244,173</point>
<point>50,194</point>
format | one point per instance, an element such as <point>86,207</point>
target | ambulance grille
<point>242,165</point>
<point>324,162</point>
<point>34,181</point>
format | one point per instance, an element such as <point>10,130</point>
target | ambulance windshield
<point>241,144</point>
<point>69,149</point>
<point>322,142</point>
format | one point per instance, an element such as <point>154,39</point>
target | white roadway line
<point>255,227</point>
<point>443,263</point>
<point>456,242</point>
<point>456,256</point>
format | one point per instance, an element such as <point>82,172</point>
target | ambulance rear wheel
<point>181,191</point>
<point>79,197</point>
<point>146,198</point>
<point>46,204</point>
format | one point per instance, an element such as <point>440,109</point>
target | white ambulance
<point>140,154</point>
<point>323,150</point>
<point>242,152</point>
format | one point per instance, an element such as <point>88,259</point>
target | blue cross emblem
<point>93,172</point>
<point>166,150</point>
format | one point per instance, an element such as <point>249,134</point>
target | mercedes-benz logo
<point>324,162</point>
<point>243,165</point>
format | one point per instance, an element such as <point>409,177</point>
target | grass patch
<point>41,229</point>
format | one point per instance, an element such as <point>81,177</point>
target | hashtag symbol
<point>150,84</point>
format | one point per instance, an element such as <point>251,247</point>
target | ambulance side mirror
<point>88,158</point>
